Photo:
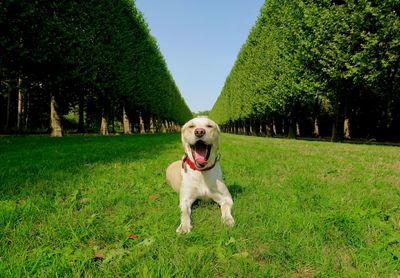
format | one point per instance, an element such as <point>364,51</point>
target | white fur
<point>196,184</point>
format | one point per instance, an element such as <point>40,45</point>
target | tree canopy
<point>308,65</point>
<point>97,57</point>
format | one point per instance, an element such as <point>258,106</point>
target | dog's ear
<point>184,126</point>
<point>219,130</point>
<point>183,129</point>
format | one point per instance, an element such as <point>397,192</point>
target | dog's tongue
<point>200,153</point>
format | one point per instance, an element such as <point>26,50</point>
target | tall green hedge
<point>322,68</point>
<point>95,55</point>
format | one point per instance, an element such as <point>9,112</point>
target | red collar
<point>193,166</point>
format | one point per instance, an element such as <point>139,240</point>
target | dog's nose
<point>199,132</point>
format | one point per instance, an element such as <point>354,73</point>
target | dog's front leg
<point>185,203</point>
<point>226,206</point>
<point>224,199</point>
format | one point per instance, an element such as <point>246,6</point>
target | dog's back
<point>174,176</point>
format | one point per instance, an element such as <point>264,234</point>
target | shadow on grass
<point>235,189</point>
<point>27,161</point>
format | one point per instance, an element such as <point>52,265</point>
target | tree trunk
<point>55,122</point>
<point>316,128</point>
<point>167,129</point>
<point>270,129</point>
<point>151,125</point>
<point>346,128</point>
<point>263,127</point>
<point>20,108</point>
<point>27,110</point>
<point>247,127</point>
<point>103,125</point>
<point>292,128</point>
<point>113,120</point>
<point>141,125</point>
<point>284,127</point>
<point>279,124</point>
<point>167,126</point>
<point>126,123</point>
<point>338,124</point>
<point>7,125</point>
<point>146,122</point>
<point>163,127</point>
<point>267,127</point>
<point>158,125</point>
<point>297,129</point>
<point>257,127</point>
<point>242,127</point>
<point>81,120</point>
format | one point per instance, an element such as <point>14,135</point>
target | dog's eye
<point>191,126</point>
<point>209,126</point>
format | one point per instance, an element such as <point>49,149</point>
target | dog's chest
<point>203,184</point>
<point>205,187</point>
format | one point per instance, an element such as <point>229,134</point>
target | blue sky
<point>200,40</point>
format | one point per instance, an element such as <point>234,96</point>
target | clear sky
<point>200,40</point>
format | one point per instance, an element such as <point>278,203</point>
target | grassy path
<point>99,207</point>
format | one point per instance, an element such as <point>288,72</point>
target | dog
<point>198,175</point>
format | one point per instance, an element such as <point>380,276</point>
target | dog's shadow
<point>234,189</point>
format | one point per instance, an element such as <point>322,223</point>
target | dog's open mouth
<point>201,152</point>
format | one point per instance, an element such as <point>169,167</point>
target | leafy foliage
<point>315,59</point>
<point>99,54</point>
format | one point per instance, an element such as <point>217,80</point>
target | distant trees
<point>201,113</point>
<point>96,59</point>
<point>317,68</point>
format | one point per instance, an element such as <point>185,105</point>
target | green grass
<point>302,209</point>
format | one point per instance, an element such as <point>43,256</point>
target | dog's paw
<point>228,221</point>
<point>183,229</point>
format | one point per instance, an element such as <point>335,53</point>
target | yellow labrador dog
<point>198,175</point>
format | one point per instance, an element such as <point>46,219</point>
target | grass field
<point>99,207</point>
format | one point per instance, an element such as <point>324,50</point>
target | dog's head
<point>200,139</point>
